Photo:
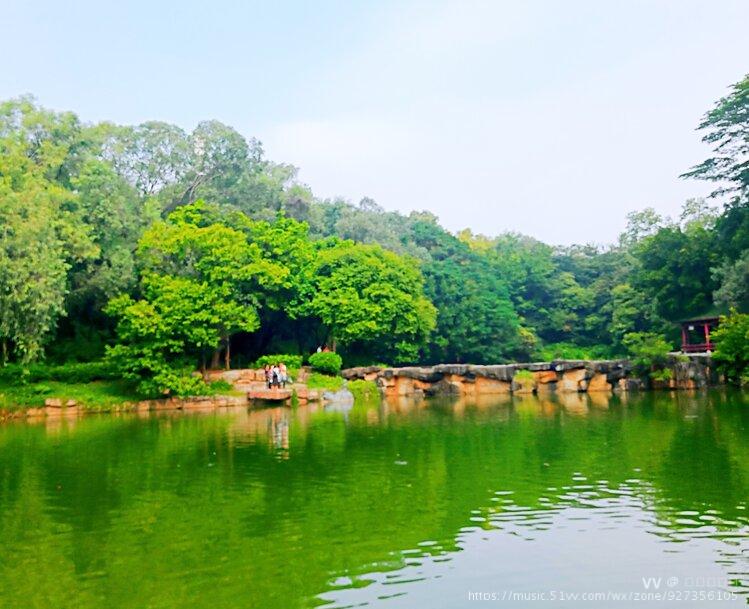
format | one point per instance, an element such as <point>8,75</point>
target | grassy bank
<point>95,394</point>
<point>105,393</point>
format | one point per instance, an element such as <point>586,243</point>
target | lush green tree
<point>675,270</point>
<point>367,298</point>
<point>43,235</point>
<point>199,285</point>
<point>152,156</point>
<point>632,312</point>
<point>733,278</point>
<point>476,321</point>
<point>641,224</point>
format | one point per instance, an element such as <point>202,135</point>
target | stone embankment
<point>564,376</point>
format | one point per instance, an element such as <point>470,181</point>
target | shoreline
<point>686,372</point>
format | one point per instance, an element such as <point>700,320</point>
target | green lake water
<point>388,505</point>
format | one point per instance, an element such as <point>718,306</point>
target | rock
<point>599,382</point>
<point>487,386</point>
<point>497,372</point>
<point>360,373</point>
<point>571,376</point>
<point>567,364</point>
<point>546,376</point>
<point>342,397</point>
<point>53,403</point>
<point>70,403</point>
<point>536,366</point>
<point>427,375</point>
<point>573,380</point>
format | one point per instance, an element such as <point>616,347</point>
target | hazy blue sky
<point>552,118</point>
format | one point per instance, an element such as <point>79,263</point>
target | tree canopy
<point>173,247</point>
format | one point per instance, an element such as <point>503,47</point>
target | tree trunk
<point>215,358</point>
<point>227,354</point>
<point>5,351</point>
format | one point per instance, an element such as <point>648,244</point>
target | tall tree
<point>368,297</point>
<point>727,131</point>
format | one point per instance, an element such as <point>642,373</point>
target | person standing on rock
<point>275,376</point>
<point>268,378</point>
<point>283,374</point>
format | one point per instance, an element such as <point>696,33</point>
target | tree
<point>733,278</point>
<point>727,131</point>
<point>151,157</point>
<point>42,232</point>
<point>632,312</point>
<point>369,298</point>
<point>674,270</point>
<point>731,339</point>
<point>199,285</point>
<point>476,321</point>
<point>641,224</point>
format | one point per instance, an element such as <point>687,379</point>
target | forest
<point>164,251</point>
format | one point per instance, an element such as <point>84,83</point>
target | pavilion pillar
<point>683,339</point>
<point>707,337</point>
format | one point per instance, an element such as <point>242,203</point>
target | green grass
<point>317,380</point>
<point>97,394</point>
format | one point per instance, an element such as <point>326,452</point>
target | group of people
<point>276,375</point>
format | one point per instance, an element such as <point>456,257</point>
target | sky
<point>551,118</point>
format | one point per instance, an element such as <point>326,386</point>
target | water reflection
<point>401,503</point>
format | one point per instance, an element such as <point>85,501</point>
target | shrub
<point>732,346</point>
<point>523,375</point>
<point>219,386</point>
<point>291,361</point>
<point>662,375</point>
<point>326,362</point>
<point>153,374</point>
<point>648,351</point>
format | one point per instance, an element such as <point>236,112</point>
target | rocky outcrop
<point>562,376</point>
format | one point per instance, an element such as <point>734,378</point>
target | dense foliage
<point>732,346</point>
<point>107,244</point>
<point>326,362</point>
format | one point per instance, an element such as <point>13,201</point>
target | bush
<point>648,351</point>
<point>732,346</point>
<point>326,362</point>
<point>66,373</point>
<point>220,386</point>
<point>291,361</point>
<point>663,376</point>
<point>523,375</point>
